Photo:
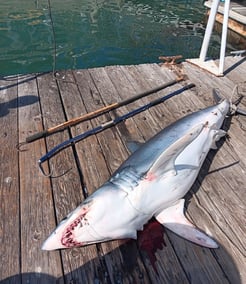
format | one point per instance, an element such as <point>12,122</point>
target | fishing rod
<point>98,112</point>
<point>108,124</point>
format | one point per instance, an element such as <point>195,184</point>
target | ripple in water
<point>97,33</point>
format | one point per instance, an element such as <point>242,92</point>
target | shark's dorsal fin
<point>217,98</point>
<point>173,218</point>
<point>166,160</point>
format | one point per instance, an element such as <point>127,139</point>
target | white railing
<point>202,61</point>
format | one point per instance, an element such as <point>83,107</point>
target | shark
<point>151,182</point>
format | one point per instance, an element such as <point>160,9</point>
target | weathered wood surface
<point>32,204</point>
<point>9,182</point>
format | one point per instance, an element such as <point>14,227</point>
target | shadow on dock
<point>234,66</point>
<point>16,103</point>
<point>121,274</point>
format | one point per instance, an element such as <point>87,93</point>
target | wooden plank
<point>92,158</point>
<point>221,190</point>
<point>37,213</point>
<point>115,152</point>
<point>216,201</point>
<point>199,76</point>
<point>9,184</point>
<point>157,116</point>
<point>229,256</point>
<point>233,25</point>
<point>226,208</point>
<point>235,68</point>
<point>78,263</point>
<point>161,114</point>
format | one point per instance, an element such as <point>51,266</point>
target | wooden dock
<point>31,204</point>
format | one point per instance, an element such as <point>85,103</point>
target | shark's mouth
<point>68,237</point>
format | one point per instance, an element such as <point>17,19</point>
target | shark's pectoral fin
<point>166,160</point>
<point>217,135</point>
<point>173,218</point>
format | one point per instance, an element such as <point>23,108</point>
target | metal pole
<point>224,36</point>
<point>209,30</point>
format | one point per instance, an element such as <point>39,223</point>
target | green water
<point>93,33</point>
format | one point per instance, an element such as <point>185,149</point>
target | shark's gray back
<point>143,158</point>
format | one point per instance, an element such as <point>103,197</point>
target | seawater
<point>91,33</point>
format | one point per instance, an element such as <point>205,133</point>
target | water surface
<point>93,33</point>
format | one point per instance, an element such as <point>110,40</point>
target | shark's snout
<point>52,243</point>
<point>72,231</point>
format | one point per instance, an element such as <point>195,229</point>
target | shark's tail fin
<point>234,100</point>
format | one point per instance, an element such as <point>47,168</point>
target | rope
<point>54,72</point>
<point>54,39</point>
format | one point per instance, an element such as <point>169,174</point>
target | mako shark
<point>150,183</point>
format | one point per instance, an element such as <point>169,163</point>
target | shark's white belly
<point>155,193</point>
<point>162,193</point>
